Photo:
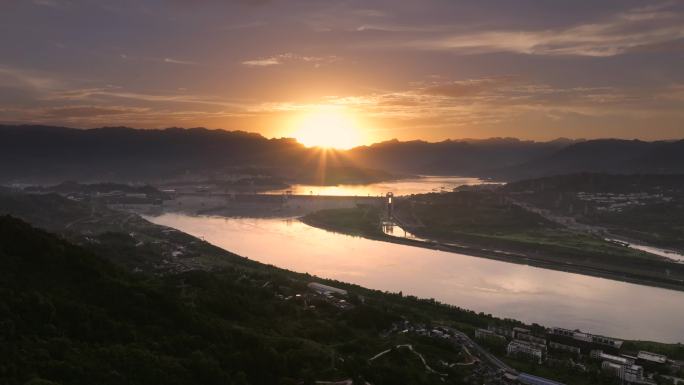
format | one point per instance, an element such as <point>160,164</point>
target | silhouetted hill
<point>605,156</point>
<point>54,154</point>
<point>454,157</point>
<point>513,159</point>
<point>70,187</point>
<point>599,183</point>
<point>127,154</point>
<point>69,316</point>
<point>665,158</point>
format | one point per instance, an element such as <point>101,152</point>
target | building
<point>652,357</point>
<point>652,362</point>
<point>565,348</point>
<point>484,334</point>
<point>627,373</point>
<point>618,360</point>
<point>325,289</point>
<point>586,337</point>
<point>529,349</point>
<point>506,332</point>
<point>633,373</point>
<point>615,369</point>
<point>562,332</point>
<point>530,338</point>
<point>529,379</point>
<point>606,341</point>
<point>519,330</point>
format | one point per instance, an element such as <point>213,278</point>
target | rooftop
<point>653,357</point>
<point>321,288</point>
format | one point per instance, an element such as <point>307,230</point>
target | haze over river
<point>530,294</point>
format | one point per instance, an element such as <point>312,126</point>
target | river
<point>530,294</point>
<point>420,185</point>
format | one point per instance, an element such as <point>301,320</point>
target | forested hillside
<point>71,317</point>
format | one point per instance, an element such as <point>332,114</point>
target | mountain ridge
<point>46,154</point>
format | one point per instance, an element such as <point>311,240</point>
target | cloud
<point>107,94</point>
<point>286,58</point>
<point>468,87</point>
<point>10,76</point>
<point>167,60</point>
<point>624,32</point>
<point>90,111</point>
<point>497,100</point>
<point>181,62</point>
<point>265,62</point>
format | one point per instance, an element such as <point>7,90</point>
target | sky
<point>405,69</point>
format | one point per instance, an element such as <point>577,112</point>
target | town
<point>495,353</point>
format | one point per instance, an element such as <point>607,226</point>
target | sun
<point>328,127</point>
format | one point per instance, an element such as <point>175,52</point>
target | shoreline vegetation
<point>348,221</point>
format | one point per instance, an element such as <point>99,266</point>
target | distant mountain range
<point>604,155</point>
<point>513,159</point>
<point>44,154</point>
<point>53,154</point>
<point>466,157</point>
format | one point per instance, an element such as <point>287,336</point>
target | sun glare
<point>328,127</point>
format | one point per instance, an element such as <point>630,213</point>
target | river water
<point>530,294</point>
<point>422,185</point>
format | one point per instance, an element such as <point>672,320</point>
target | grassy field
<point>360,221</point>
<point>487,219</point>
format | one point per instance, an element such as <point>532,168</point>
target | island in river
<point>503,223</point>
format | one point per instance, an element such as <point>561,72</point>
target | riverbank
<point>518,258</point>
<point>488,286</point>
<point>259,311</point>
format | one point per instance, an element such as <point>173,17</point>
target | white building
<point>652,357</point>
<point>586,337</point>
<point>627,373</point>
<point>530,349</point>
<point>325,289</point>
<point>501,330</point>
<point>633,373</point>
<point>484,334</point>
<point>530,338</point>
<point>563,347</point>
<point>618,360</point>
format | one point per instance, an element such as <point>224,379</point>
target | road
<point>409,347</point>
<point>482,353</point>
